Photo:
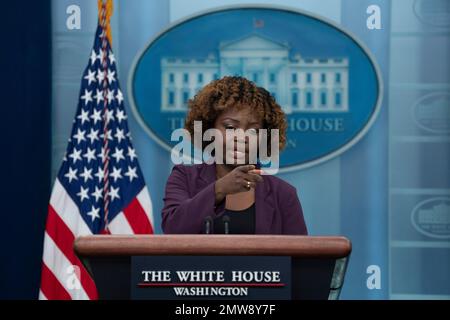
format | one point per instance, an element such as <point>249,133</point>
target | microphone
<point>226,224</point>
<point>208,224</point>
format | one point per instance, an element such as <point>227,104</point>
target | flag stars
<point>84,116</point>
<point>116,174</point>
<point>79,136</point>
<point>100,174</point>
<point>83,194</point>
<point>119,96</point>
<point>100,138</point>
<point>93,57</point>
<point>90,77</point>
<point>108,135</point>
<point>87,97</point>
<point>93,135</point>
<point>75,155</point>
<point>94,213</point>
<point>131,173</point>
<point>120,115</point>
<point>71,175</point>
<point>99,96</point>
<point>118,154</point>
<point>87,174</point>
<point>101,55</point>
<point>96,116</point>
<point>131,153</point>
<point>102,155</point>
<point>111,57</point>
<point>120,135</point>
<point>111,76</point>
<point>110,96</point>
<point>97,194</point>
<point>100,103</point>
<point>89,155</point>
<point>100,76</point>
<point>109,115</point>
<point>114,193</point>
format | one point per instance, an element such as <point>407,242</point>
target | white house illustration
<point>298,84</point>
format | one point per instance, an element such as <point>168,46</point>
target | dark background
<point>26,144</point>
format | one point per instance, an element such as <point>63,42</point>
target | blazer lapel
<point>265,208</point>
<point>207,176</point>
<point>207,173</point>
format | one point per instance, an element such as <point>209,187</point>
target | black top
<point>240,222</point>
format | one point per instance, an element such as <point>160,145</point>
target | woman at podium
<point>230,193</point>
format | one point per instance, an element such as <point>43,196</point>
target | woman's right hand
<point>240,179</point>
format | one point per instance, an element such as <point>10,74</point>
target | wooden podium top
<point>273,245</point>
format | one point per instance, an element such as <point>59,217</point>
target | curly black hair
<point>235,92</point>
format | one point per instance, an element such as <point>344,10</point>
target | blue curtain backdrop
<point>373,190</point>
<point>364,168</point>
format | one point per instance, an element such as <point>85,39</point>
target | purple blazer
<point>190,198</point>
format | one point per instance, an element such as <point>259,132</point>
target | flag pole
<point>105,12</point>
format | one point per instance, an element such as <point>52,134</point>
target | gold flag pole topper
<point>105,11</point>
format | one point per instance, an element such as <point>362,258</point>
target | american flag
<point>99,188</point>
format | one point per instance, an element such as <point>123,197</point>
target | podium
<point>318,264</point>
